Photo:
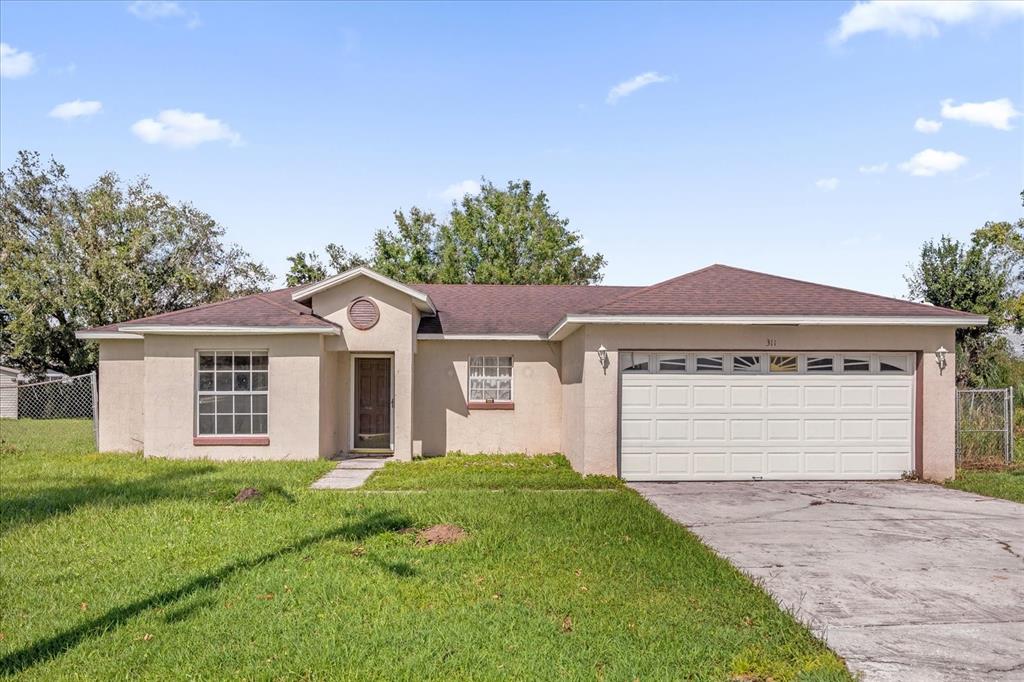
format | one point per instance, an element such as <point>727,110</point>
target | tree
<point>498,236</point>
<point>985,277</point>
<point>74,258</point>
<point>305,269</point>
<point>512,236</point>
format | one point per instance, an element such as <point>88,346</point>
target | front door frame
<point>353,405</point>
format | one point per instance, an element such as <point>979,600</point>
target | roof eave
<point>88,335</point>
<point>222,330</point>
<point>570,323</point>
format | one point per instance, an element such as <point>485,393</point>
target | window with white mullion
<point>231,393</point>
<point>490,379</point>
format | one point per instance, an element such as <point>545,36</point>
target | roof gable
<point>420,299</point>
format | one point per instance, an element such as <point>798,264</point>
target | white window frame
<point>511,379</point>
<point>198,393</point>
<point>627,357</point>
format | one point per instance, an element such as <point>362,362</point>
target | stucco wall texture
<point>565,400</point>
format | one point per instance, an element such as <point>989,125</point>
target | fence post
<point>1010,427</point>
<point>95,410</point>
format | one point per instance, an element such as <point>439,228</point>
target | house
<point>720,373</point>
<point>9,392</point>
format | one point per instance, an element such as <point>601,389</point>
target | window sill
<point>230,440</point>
<point>490,406</point>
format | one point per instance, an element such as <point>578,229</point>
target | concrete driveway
<point>906,581</point>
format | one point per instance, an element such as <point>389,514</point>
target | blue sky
<point>749,141</point>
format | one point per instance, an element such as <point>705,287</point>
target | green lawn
<point>112,566</point>
<point>488,472</point>
<point>1008,484</point>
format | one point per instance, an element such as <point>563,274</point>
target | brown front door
<point>373,403</point>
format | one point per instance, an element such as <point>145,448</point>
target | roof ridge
<point>844,289</point>
<point>650,287</point>
<point>282,306</point>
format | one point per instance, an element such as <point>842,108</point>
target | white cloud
<point>154,10</point>
<point>917,18</point>
<point>15,63</point>
<point>926,126</point>
<point>931,162</point>
<point>460,189</point>
<point>626,88</point>
<point>998,113</point>
<point>827,184</point>
<point>875,169</point>
<point>183,129</point>
<point>76,108</point>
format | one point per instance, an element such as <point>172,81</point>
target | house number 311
<point>771,342</point>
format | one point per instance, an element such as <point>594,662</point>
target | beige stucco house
<point>718,374</point>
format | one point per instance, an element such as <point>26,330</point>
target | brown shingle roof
<point>270,309</point>
<point>508,308</point>
<point>725,290</point>
<point>536,309</point>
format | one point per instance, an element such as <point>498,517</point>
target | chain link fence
<point>984,427</point>
<point>64,398</point>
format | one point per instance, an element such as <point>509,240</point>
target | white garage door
<point>744,415</point>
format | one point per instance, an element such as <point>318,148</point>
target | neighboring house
<point>10,380</point>
<point>9,392</point>
<point>721,373</point>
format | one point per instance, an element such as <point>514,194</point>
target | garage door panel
<point>709,396</point>
<point>740,426</point>
<point>637,396</point>
<point>783,429</point>
<point>746,396</point>
<point>746,429</point>
<point>709,429</point>
<point>672,397</point>
<point>783,396</point>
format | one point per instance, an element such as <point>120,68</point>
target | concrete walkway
<point>906,581</point>
<point>350,473</point>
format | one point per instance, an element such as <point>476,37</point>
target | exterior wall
<point>294,396</point>
<point>8,394</point>
<point>443,423</point>
<point>394,334</point>
<point>329,411</point>
<point>600,386</point>
<point>572,398</point>
<point>121,384</point>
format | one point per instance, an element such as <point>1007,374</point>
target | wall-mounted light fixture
<point>602,357</point>
<point>940,358</point>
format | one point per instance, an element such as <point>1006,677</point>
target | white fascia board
<point>481,337</point>
<point>570,322</point>
<point>105,336</point>
<point>422,300</point>
<point>223,330</point>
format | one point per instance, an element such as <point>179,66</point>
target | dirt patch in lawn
<point>246,494</point>
<point>441,534</point>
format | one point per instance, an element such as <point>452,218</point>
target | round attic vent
<point>363,313</point>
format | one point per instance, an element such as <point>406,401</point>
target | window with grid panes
<point>231,393</point>
<point>490,379</point>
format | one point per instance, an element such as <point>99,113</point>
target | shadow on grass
<point>47,503</point>
<point>51,647</point>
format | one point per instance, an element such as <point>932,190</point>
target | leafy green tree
<point>512,236</point>
<point>498,236</point>
<point>983,276</point>
<point>409,254</point>
<point>72,258</point>
<point>304,269</point>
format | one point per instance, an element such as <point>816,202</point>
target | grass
<point>489,472</point>
<point>114,566</point>
<point>1007,484</point>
